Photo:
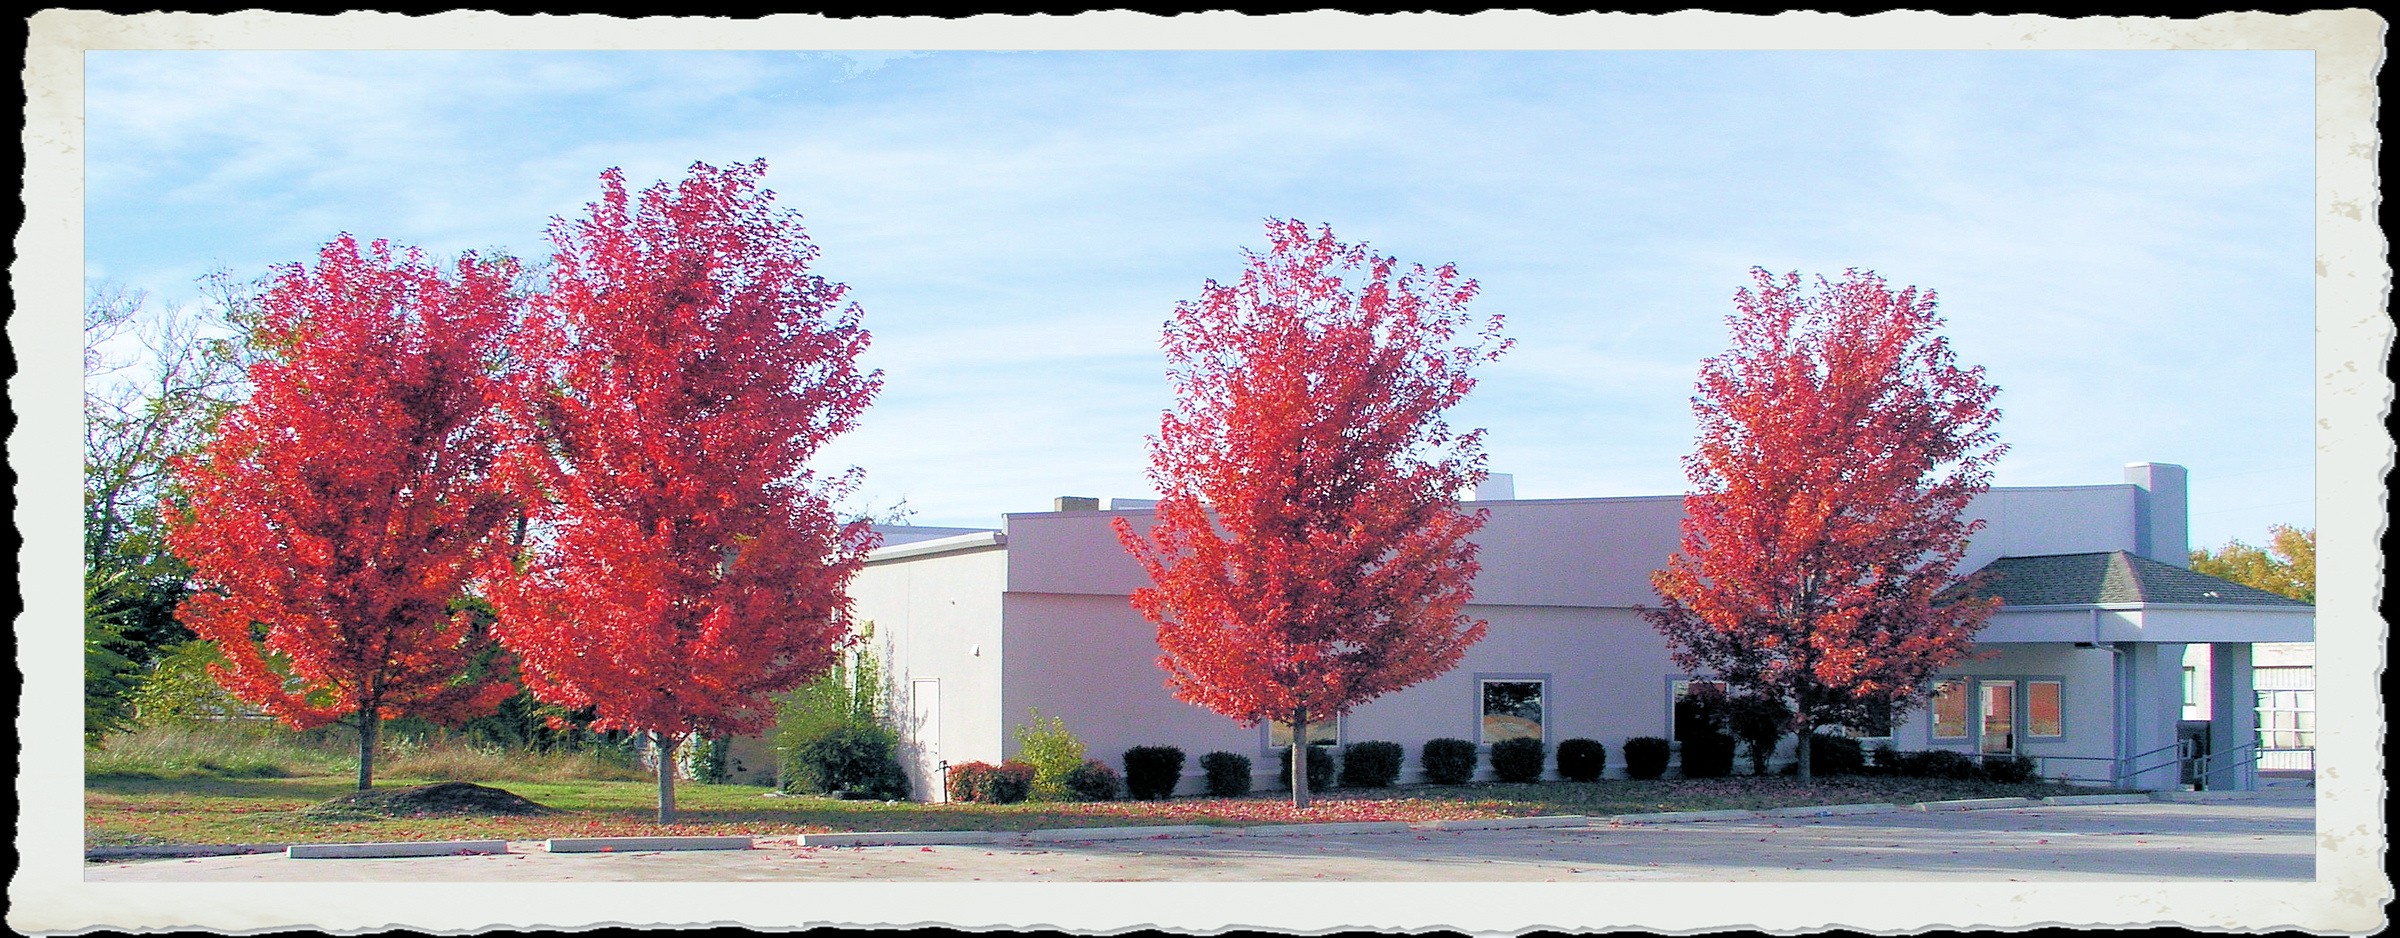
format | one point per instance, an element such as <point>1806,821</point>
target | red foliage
<point>683,563</point>
<point>1839,443</point>
<point>343,507</point>
<point>1308,553</point>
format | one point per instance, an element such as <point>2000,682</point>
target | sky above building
<point>2124,240</point>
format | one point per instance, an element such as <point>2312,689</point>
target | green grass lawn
<point>123,811</point>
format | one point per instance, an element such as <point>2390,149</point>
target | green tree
<point>2286,566</point>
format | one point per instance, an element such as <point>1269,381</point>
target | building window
<point>1877,724</point>
<point>1512,709</point>
<point>1320,733</point>
<point>2191,686</point>
<point>1950,709</point>
<point>1678,715</point>
<point>2045,713</point>
<point>2287,719</point>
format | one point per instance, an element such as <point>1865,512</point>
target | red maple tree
<point>342,509</point>
<point>683,563</point>
<point>1308,554</point>
<point>1839,444</point>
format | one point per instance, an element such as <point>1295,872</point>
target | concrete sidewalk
<point>2270,838</point>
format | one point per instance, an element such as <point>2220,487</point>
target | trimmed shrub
<point>1582,760</point>
<point>1094,780</point>
<point>966,780</point>
<point>1935,763</point>
<point>1225,774</point>
<point>1884,759</point>
<point>1645,757</point>
<point>1448,761</point>
<point>2008,768</point>
<point>1320,767</point>
<point>1518,760</point>
<point>1006,783</point>
<point>1152,771</point>
<point>1371,764</point>
<point>1707,754</point>
<point>850,758</point>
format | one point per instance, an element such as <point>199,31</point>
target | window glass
<point>1320,733</point>
<point>1950,710</point>
<point>2043,715</point>
<point>2191,686</point>
<point>1690,705</point>
<point>1512,710</point>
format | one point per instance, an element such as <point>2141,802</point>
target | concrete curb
<point>1830,810</point>
<point>1732,814</point>
<point>629,844</point>
<point>1055,834</point>
<point>1975,804</point>
<point>905,838</point>
<point>171,851</point>
<point>2096,799</point>
<point>1505,823</point>
<point>1335,827</point>
<point>420,848</point>
<point>2192,796</point>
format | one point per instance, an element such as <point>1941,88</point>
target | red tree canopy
<point>345,505</point>
<point>684,563</point>
<point>1308,553</point>
<point>1839,443</point>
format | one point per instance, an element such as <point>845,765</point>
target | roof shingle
<point>2112,578</point>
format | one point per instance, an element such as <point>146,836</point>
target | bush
<point>1371,764</point>
<point>1935,763</point>
<point>2011,769</point>
<point>1225,774</point>
<point>1152,771</point>
<point>1884,759</point>
<point>1835,755</point>
<point>1053,752</point>
<point>1582,760</point>
<point>1518,760</point>
<point>848,758</point>
<point>1006,783</point>
<point>1448,761</point>
<point>1092,781</point>
<point>1320,767</point>
<point>1645,757</point>
<point>1757,723</point>
<point>1707,754</point>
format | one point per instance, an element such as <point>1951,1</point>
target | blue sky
<point>2123,239</point>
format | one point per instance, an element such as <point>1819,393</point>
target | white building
<point>2082,668</point>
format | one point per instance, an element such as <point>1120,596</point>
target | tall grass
<point>254,750</point>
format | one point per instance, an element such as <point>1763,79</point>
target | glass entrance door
<point>1999,717</point>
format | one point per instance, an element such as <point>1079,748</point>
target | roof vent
<point>1075,503</point>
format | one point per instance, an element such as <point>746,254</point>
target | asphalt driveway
<point>2264,839</point>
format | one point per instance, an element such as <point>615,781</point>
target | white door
<point>925,713</point>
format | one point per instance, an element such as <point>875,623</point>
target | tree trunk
<point>370,725</point>
<point>665,745</point>
<point>1802,753</point>
<point>1300,760</point>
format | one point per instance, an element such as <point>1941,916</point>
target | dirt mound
<point>444,798</point>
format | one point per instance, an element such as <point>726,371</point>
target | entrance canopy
<point>2119,596</point>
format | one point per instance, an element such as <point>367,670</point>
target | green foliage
<point>2007,769</point>
<point>1152,771</point>
<point>1582,760</point>
<point>1448,761</point>
<point>850,758</point>
<point>1707,755</point>
<point>1052,750</point>
<point>1758,722</point>
<point>1835,755</point>
<point>1646,757</point>
<point>1371,764</point>
<point>179,690</point>
<point>1320,767</point>
<point>2287,567</point>
<point>1226,774</point>
<point>110,676</point>
<point>1518,760</point>
<point>1094,780</point>
<point>1934,763</point>
<point>849,699</point>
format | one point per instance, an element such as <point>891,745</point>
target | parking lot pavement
<point>2239,840</point>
